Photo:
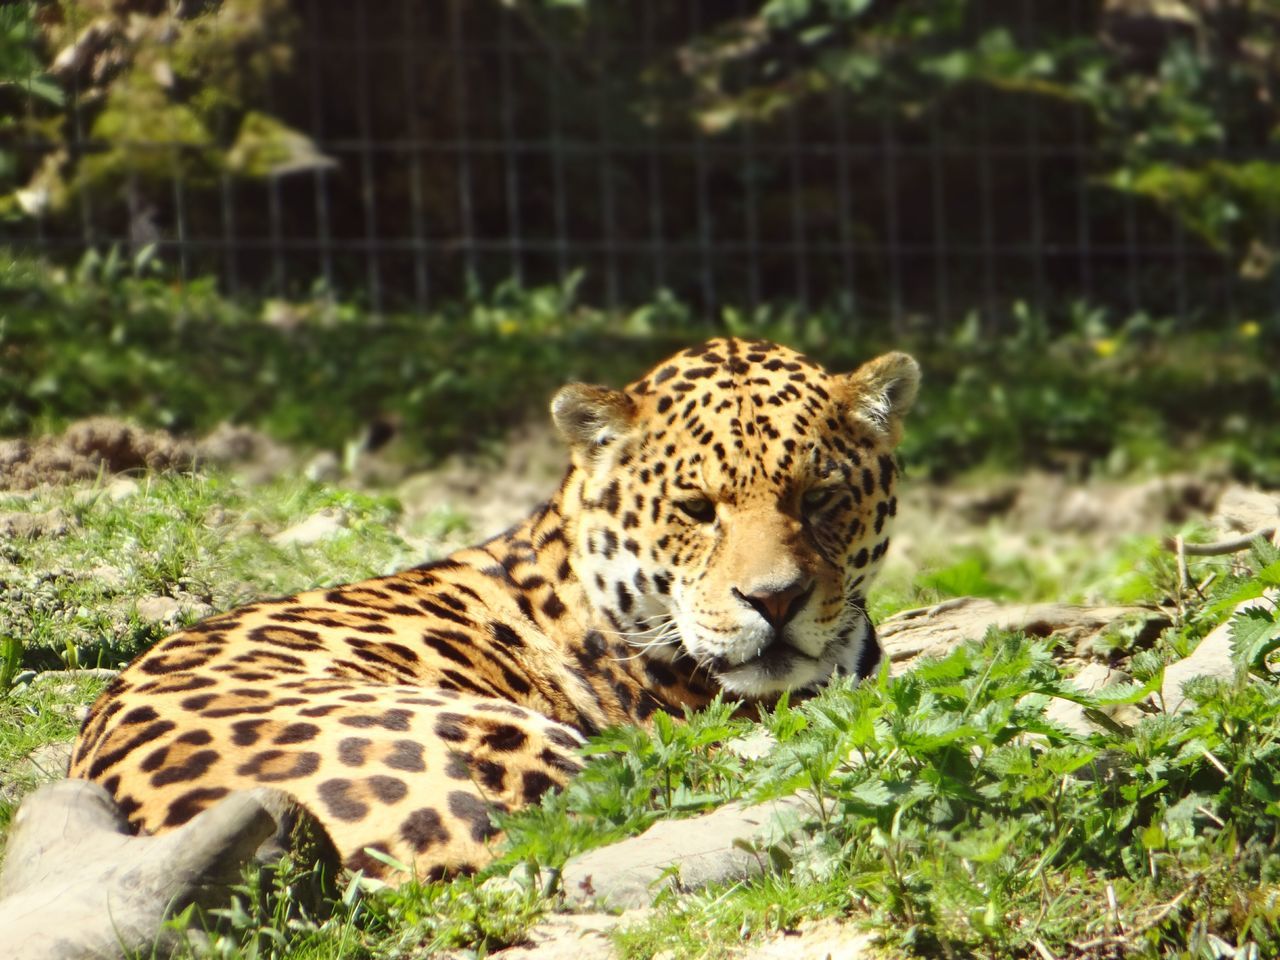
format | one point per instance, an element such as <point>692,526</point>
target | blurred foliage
<point>22,81</point>
<point>165,95</point>
<point>1026,150</point>
<point>119,336</point>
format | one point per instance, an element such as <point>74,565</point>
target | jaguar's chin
<point>777,668</point>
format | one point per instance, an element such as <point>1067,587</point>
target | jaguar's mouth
<point>777,659</point>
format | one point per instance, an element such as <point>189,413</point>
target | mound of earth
<point>88,449</point>
<point>101,446</point>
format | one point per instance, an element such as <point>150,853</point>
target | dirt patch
<point>30,526</point>
<point>101,446</point>
<point>88,449</point>
<point>492,489</point>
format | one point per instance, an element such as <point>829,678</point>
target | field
<point>959,820</point>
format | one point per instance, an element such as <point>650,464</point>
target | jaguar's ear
<point>590,417</point>
<point>881,391</point>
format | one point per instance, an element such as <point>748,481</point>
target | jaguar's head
<point>733,506</point>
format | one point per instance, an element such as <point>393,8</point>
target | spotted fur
<point>716,531</point>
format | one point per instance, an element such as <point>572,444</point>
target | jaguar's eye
<point>817,497</point>
<point>698,508</point>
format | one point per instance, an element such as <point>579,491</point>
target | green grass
<point>203,538</point>
<point>971,826</point>
<point>1098,393</point>
<point>31,717</point>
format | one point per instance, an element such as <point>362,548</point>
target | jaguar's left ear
<point>881,392</point>
<point>591,417</point>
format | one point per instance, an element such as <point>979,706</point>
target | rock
<point>1212,658</point>
<point>45,763</point>
<point>170,610</point>
<point>935,631</point>
<point>109,579</point>
<point>50,760</point>
<point>569,937</point>
<point>820,940</point>
<point>753,745</point>
<point>683,854</point>
<point>117,491</point>
<point>121,488</point>
<point>1091,678</point>
<point>1243,510</point>
<point>254,455</point>
<point>1053,502</point>
<point>324,467</point>
<point>76,886</point>
<point>20,525</point>
<point>159,610</point>
<point>88,450</point>
<point>317,527</point>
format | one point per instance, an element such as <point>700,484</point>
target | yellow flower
<point>1250,329</point>
<point>1105,346</point>
<point>507,326</point>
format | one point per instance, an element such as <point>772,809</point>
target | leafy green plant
<point>957,819</point>
<point>10,661</point>
<point>1255,631</point>
<point>635,777</point>
<point>23,83</point>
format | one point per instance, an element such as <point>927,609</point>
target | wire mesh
<point>467,144</point>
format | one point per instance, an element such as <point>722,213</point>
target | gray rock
<point>159,610</point>
<point>122,488</point>
<point>821,940</point>
<point>569,937</point>
<point>324,467</point>
<point>21,525</point>
<point>76,886</point>
<point>49,761</point>
<point>753,745</point>
<point>1244,509</point>
<point>116,490</point>
<point>935,631</point>
<point>317,527</point>
<point>110,579</point>
<point>169,610</point>
<point>1091,678</point>
<point>1212,658</point>
<point>686,855</point>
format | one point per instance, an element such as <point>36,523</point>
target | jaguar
<point>716,531</point>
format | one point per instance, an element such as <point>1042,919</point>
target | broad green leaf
<point>1255,634</point>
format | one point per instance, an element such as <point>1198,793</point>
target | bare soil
<point>87,450</point>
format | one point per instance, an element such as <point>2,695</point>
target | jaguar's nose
<point>778,606</point>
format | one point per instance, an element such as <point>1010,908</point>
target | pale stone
<point>121,489</point>
<point>1212,658</point>
<point>76,886</point>
<point>159,609</point>
<point>821,940</point>
<point>683,854</point>
<point>319,526</point>
<point>1243,510</point>
<point>936,631</point>
<point>1091,678</point>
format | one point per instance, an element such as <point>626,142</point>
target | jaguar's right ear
<point>591,417</point>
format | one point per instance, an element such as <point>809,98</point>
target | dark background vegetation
<point>310,213</point>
